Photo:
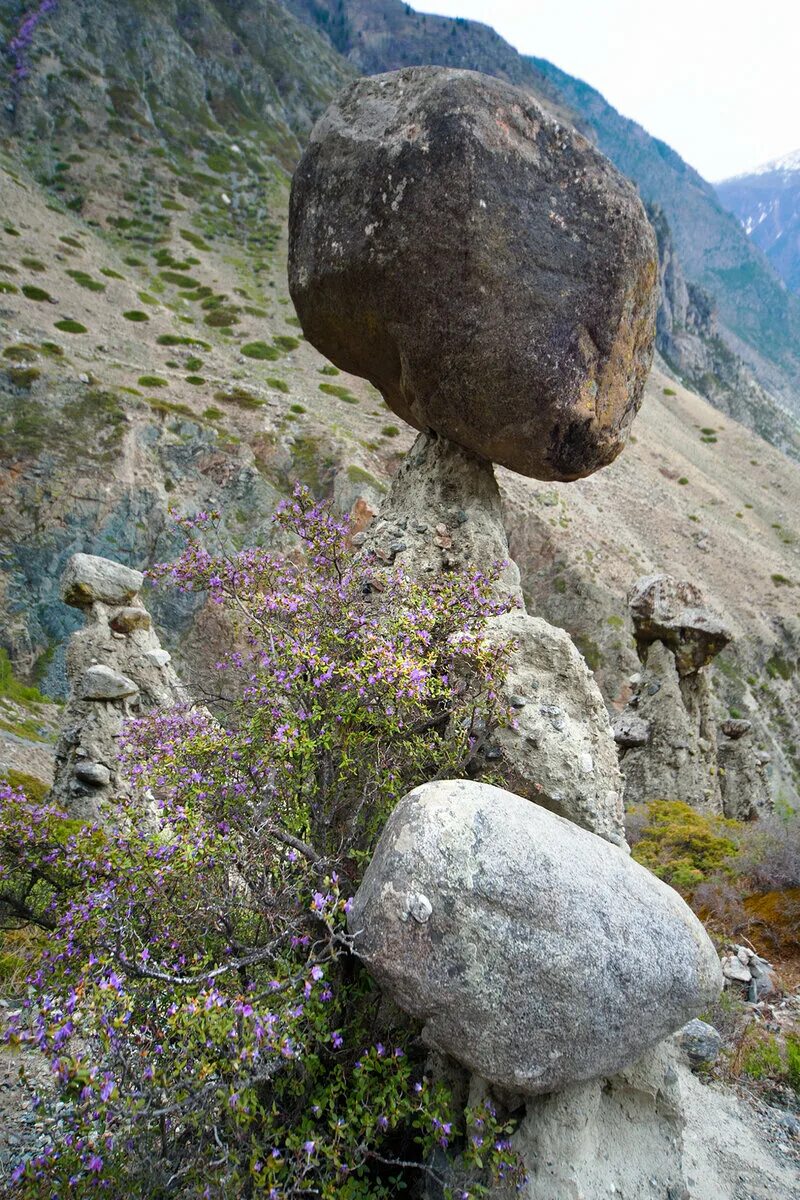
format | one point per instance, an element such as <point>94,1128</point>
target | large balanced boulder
<point>483,265</point>
<point>536,954</point>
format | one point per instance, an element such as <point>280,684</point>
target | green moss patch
<point>135,315</point>
<point>152,381</point>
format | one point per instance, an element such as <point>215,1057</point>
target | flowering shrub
<point>210,1027</point>
<point>21,42</point>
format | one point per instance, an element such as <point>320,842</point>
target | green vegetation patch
<point>178,280</point>
<point>341,393</point>
<point>261,351</point>
<point>194,239</point>
<point>24,377</point>
<point>390,431</point>
<point>12,689</point>
<point>780,668</point>
<point>286,342</point>
<point>36,293</point>
<point>175,339</point>
<point>279,385</point>
<point>195,380</point>
<point>7,289</point>
<point>681,845</point>
<point>328,369</point>
<point>85,280</point>
<point>70,326</point>
<point>33,264</point>
<point>135,315</point>
<point>21,352</point>
<point>240,397</point>
<point>152,381</point>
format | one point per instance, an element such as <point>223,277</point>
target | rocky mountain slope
<point>767,202</point>
<point>151,358</point>
<point>758,324</point>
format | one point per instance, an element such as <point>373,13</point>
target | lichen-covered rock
<point>483,265</point>
<point>536,954</point>
<point>674,611</point>
<point>88,578</point>
<point>560,751</point>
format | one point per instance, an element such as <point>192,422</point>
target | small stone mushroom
<point>674,611</point>
<point>483,265</point>
<point>88,578</point>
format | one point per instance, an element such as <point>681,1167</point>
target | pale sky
<point>719,80</point>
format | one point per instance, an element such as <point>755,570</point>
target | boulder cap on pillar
<point>483,265</point>
<point>674,611</point>
<point>88,578</point>
<point>536,954</point>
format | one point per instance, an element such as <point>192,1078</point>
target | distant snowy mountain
<point>767,202</point>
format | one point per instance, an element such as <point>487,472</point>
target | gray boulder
<point>102,683</point>
<point>483,265</point>
<point>560,751</point>
<point>700,1042</point>
<point>536,954</point>
<point>630,730</point>
<point>88,578</point>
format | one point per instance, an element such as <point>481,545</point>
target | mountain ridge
<point>766,201</point>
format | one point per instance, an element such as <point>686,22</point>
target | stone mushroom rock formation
<point>483,265</point>
<point>673,611</point>
<point>535,954</point>
<point>668,737</point>
<point>116,668</point>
